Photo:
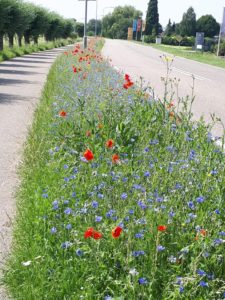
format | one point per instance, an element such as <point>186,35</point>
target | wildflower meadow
<point>122,197</point>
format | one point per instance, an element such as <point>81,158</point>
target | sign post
<point>199,41</point>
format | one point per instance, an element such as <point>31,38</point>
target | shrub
<point>149,39</point>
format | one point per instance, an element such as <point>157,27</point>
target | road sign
<point>134,25</point>
<point>222,30</point>
<point>199,40</point>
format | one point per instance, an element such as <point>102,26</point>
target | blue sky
<point>173,9</point>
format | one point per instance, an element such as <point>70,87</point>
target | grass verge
<point>203,57</point>
<point>120,197</point>
<point>10,53</point>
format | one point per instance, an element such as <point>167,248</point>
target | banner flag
<point>134,25</point>
<point>143,25</point>
<point>222,30</point>
<point>139,25</point>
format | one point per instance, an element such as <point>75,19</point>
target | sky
<point>172,9</point>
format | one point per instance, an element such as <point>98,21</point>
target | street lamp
<point>85,21</point>
<point>108,7</point>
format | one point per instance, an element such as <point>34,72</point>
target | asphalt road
<point>21,82</point>
<point>140,60</point>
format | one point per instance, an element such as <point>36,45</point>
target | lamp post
<point>108,7</point>
<point>85,21</point>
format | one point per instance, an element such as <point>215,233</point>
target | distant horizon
<point>75,9</point>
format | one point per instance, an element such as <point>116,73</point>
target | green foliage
<point>152,18</point>
<point>79,28</point>
<point>115,25</point>
<point>187,26</point>
<point>9,53</point>
<point>149,39</point>
<point>169,29</point>
<point>208,25</point>
<point>31,21</point>
<point>91,26</point>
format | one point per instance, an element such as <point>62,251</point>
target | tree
<point>187,26</point>
<point>79,28</point>
<point>152,18</point>
<point>208,25</point>
<point>115,25</point>
<point>91,26</point>
<point>4,19</point>
<point>38,26</point>
<point>25,18</point>
<point>55,27</point>
<point>169,29</point>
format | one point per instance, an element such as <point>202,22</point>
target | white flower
<point>133,272</point>
<point>26,263</point>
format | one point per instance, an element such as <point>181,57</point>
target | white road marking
<point>190,74</point>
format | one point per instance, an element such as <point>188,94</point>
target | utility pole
<point>96,19</point>
<point>85,21</point>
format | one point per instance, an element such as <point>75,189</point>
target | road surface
<point>140,60</point>
<point>21,82</point>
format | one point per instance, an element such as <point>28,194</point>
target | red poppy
<point>125,86</point>
<point>127,77</point>
<point>162,228</point>
<point>75,70</point>
<point>129,83</point>
<point>88,154</point>
<point>89,233</point>
<point>97,235</point>
<point>115,158</point>
<point>116,232</point>
<point>62,113</point>
<point>109,143</point>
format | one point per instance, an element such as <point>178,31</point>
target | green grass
<point>203,57</point>
<point>9,53</point>
<point>169,174</point>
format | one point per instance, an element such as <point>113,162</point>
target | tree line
<point>29,21</point>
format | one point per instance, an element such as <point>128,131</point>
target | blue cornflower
<point>79,252</point>
<point>154,142</point>
<point>68,211</point>
<point>124,179</point>
<point>203,283</point>
<point>217,242</point>
<point>138,253</point>
<point>139,235</point>
<point>222,233</point>
<point>137,186</point>
<point>192,154</point>
<point>110,213</point>
<point>147,174</point>
<point>53,230</point>
<point>94,204</point>
<point>146,149</point>
<point>181,289</point>
<point>191,205</point>
<point>66,202</point>
<point>200,199</point>
<point>107,297</point>
<point>142,205</point>
<point>66,245</point>
<point>213,172</point>
<point>160,248</point>
<point>66,167</point>
<point>131,211</point>
<point>124,196</point>
<point>55,205</point>
<point>171,214</point>
<point>100,196</point>
<point>68,226</point>
<point>98,219</point>
<point>201,272</point>
<point>45,195</point>
<point>217,211</point>
<point>142,280</point>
